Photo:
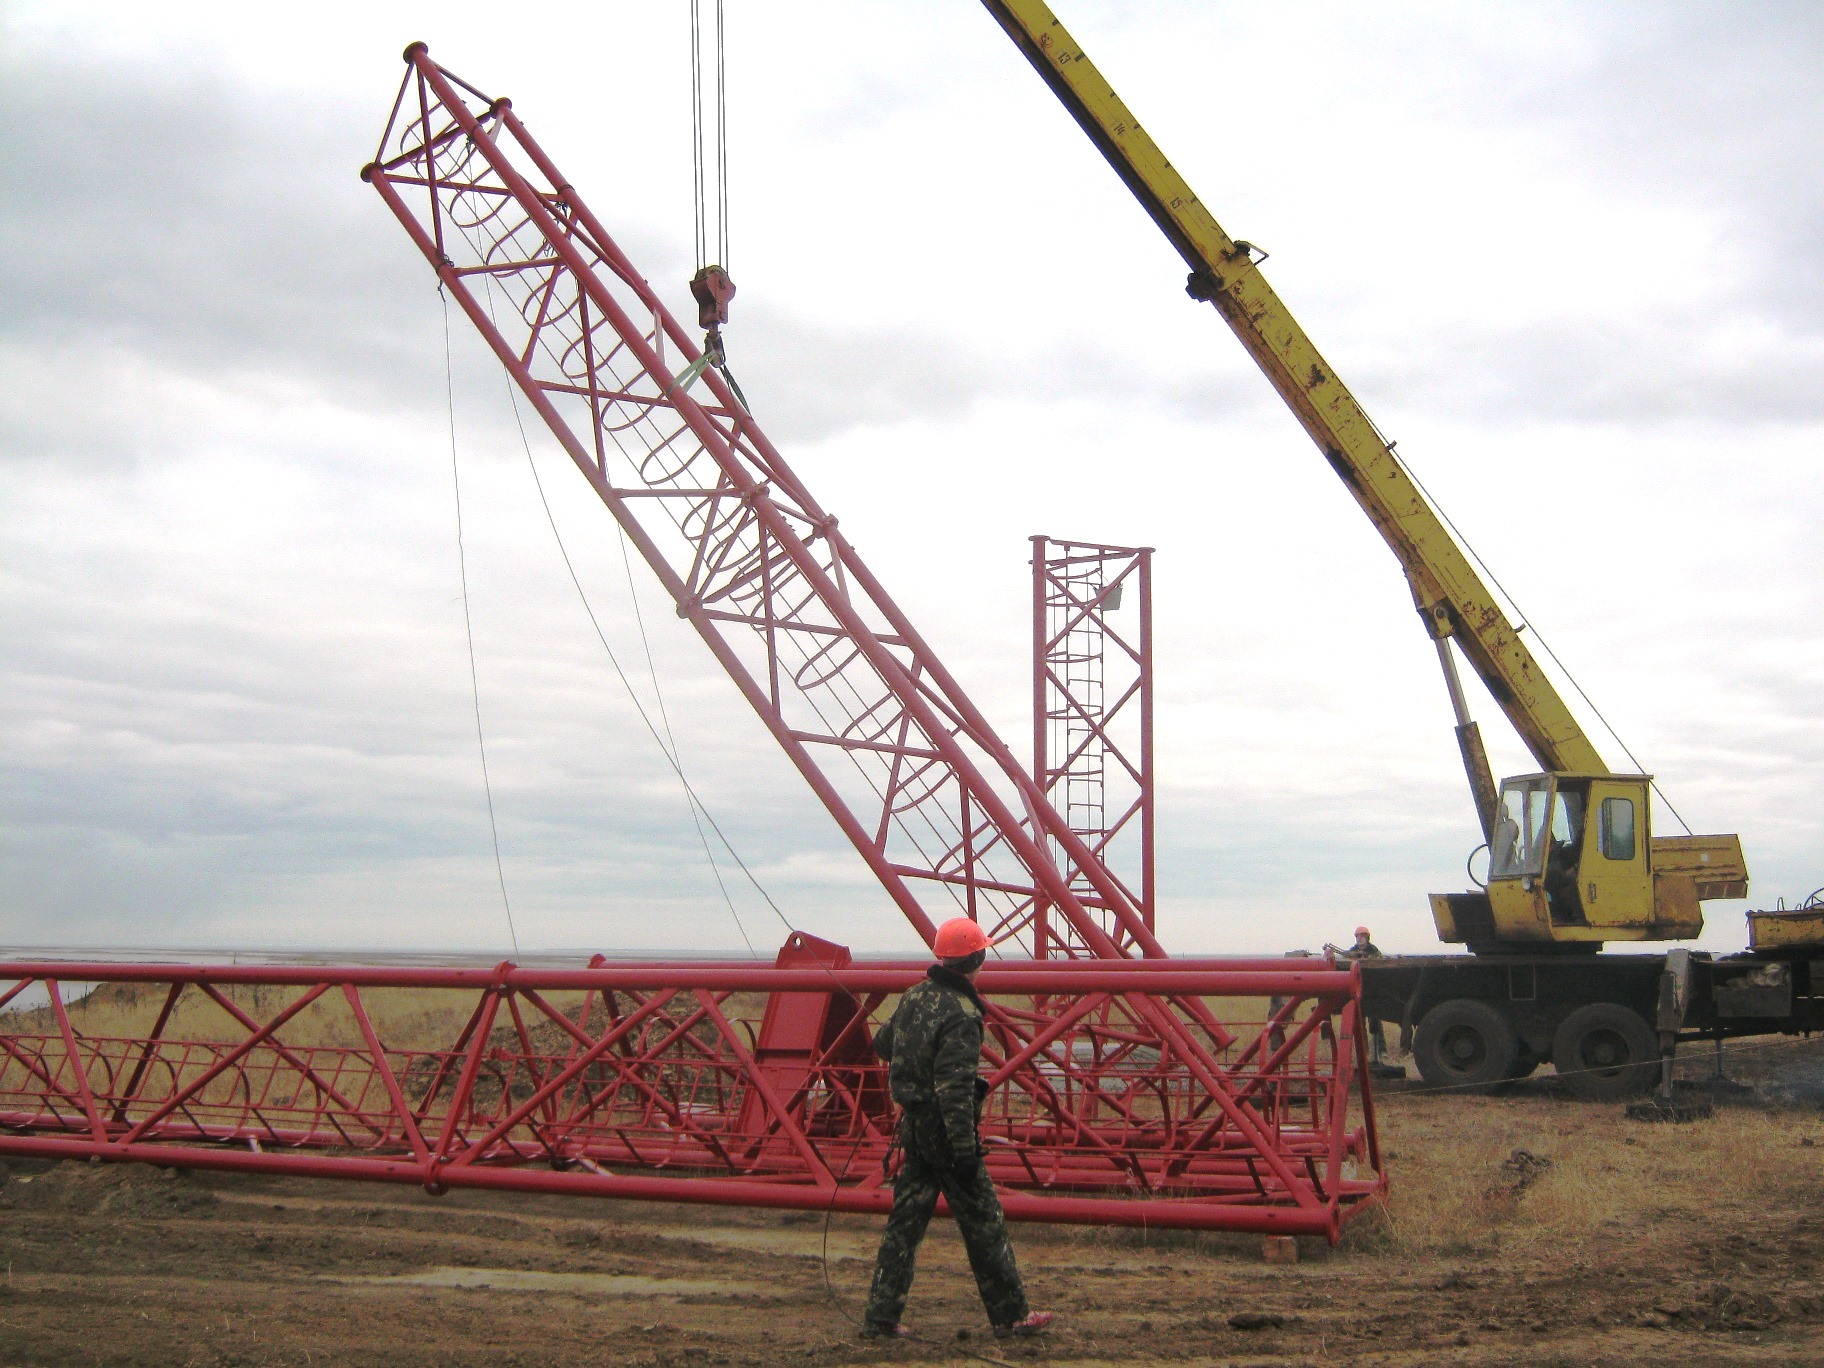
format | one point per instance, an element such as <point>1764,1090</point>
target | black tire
<point>1466,1045</point>
<point>1605,1052</point>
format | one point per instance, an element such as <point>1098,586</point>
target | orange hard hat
<point>1361,930</point>
<point>960,937</point>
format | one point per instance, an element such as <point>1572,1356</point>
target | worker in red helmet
<point>933,1044</point>
<point>1365,948</point>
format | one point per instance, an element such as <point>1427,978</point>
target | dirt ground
<point>1526,1228</point>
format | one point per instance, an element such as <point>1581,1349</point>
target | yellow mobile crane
<point>1572,858</point>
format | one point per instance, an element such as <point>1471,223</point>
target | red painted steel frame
<point>932,798</point>
<point>1092,702</point>
<point>1119,1096</point>
<point>704,1082</point>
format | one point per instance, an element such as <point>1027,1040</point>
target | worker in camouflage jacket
<point>933,1045</point>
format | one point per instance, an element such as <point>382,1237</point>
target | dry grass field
<point>405,1018</point>
<point>1523,1229</point>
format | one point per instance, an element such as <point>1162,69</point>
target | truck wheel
<point>1466,1045</point>
<point>1605,1052</point>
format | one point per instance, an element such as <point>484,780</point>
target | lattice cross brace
<point>911,771</point>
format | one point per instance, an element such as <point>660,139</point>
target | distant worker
<point>1560,883</point>
<point>1364,948</point>
<point>933,1044</point>
<point>1504,855</point>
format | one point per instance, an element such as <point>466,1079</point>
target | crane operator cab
<point>1572,861</point>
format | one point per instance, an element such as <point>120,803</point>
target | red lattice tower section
<point>934,800</point>
<point>1119,1096</point>
<point>1092,703</point>
<point>696,1081</point>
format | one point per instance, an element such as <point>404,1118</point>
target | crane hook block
<point>712,289</point>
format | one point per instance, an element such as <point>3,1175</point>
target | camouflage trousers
<point>925,1175</point>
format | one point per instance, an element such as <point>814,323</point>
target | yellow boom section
<point>1449,593</point>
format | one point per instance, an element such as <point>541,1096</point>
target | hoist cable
<point>696,134</point>
<point>721,145</point>
<point>1526,622</point>
<point>468,624</point>
<point>709,172</point>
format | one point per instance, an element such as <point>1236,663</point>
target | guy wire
<point>692,801</point>
<point>696,803</point>
<point>668,750</point>
<point>468,624</point>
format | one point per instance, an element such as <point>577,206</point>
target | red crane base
<point>1114,1100</point>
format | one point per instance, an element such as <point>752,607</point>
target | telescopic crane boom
<point>1572,860</point>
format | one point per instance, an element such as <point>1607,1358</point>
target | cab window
<point>1615,828</point>
<point>1518,845</point>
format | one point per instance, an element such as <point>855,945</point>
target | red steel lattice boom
<point>1125,1088</point>
<point>1092,701</point>
<point>934,800</point>
<point>702,1082</point>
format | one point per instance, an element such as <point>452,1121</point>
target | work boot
<point>1033,1324</point>
<point>879,1330</point>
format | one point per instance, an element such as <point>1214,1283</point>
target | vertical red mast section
<point>1092,701</point>
<point>931,797</point>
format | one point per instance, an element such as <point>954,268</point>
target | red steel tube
<point>1166,977</point>
<point>1177,1213</point>
<point>1239,1147</point>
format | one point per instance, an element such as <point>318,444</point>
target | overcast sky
<point>1570,255</point>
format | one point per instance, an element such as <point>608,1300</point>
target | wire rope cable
<point>468,622</point>
<point>836,1188</point>
<point>900,820</point>
<point>692,799</point>
<point>709,119</point>
<point>616,436</point>
<point>722,147</point>
<point>658,693</point>
<point>956,837</point>
<point>696,133</point>
<point>1526,621</point>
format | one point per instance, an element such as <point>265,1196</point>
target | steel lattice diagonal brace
<point>705,1081</point>
<point>933,799</point>
<point>1092,701</point>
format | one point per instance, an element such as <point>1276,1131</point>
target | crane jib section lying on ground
<point>1572,858</point>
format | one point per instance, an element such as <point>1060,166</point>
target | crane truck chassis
<point>1608,1023</point>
